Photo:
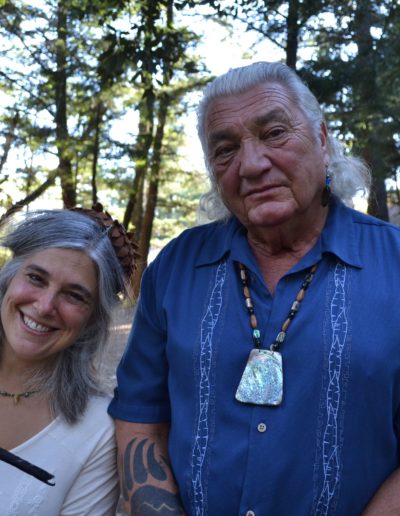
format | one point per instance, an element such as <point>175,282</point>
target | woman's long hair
<point>72,378</point>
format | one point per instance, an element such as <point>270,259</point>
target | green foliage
<point>177,205</point>
<point>355,74</point>
<point>126,62</point>
<point>5,255</point>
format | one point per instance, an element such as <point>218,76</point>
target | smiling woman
<point>57,293</point>
<point>47,304</point>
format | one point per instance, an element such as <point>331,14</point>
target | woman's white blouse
<point>82,458</point>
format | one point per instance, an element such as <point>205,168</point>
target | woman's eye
<point>34,278</point>
<point>76,297</point>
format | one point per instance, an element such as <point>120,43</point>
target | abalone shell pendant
<point>262,379</point>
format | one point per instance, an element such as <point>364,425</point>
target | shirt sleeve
<point>96,488</point>
<point>142,375</point>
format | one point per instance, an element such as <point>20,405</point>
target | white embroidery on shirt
<point>206,350</point>
<point>37,501</point>
<point>330,443</point>
<point>19,495</point>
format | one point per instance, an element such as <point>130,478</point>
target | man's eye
<point>222,152</point>
<point>274,133</point>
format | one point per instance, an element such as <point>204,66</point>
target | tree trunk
<point>292,40</point>
<point>96,148</point>
<point>152,193</point>
<point>30,197</point>
<point>8,140</point>
<point>368,94</point>
<point>377,202</point>
<point>134,209</point>
<point>62,136</point>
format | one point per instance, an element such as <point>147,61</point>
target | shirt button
<point>261,427</point>
<point>250,513</point>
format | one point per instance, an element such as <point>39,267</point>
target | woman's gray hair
<point>349,174</point>
<point>72,378</point>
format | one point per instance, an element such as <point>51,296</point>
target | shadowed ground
<point>115,348</point>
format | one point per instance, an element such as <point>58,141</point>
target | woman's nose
<point>46,302</point>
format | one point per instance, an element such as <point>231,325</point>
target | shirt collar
<point>338,237</point>
<point>219,241</point>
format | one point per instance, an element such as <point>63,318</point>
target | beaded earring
<point>326,192</point>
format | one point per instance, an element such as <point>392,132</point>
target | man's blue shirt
<point>334,439</point>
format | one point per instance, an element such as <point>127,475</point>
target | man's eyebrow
<point>32,267</point>
<point>217,136</point>
<point>276,115</point>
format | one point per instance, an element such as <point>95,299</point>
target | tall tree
<point>354,74</point>
<point>59,79</point>
<point>156,51</point>
<point>49,72</point>
<point>285,23</point>
<point>368,94</point>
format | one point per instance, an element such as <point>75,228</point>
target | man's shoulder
<point>199,237</point>
<point>206,230</point>
<point>377,237</point>
<point>370,223</point>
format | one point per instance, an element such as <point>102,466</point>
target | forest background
<point>97,97</point>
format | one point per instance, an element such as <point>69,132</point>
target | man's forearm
<point>147,483</point>
<point>386,501</point>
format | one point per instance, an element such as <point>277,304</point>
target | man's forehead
<point>258,105</point>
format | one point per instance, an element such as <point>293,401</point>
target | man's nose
<point>254,159</point>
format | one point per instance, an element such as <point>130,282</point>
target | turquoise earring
<point>326,192</point>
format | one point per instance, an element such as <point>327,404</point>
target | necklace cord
<point>280,338</point>
<point>17,395</point>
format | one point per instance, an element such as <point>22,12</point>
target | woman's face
<point>48,304</point>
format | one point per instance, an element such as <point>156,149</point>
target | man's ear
<point>323,134</point>
<point>323,137</point>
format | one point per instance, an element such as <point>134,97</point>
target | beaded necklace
<point>262,379</point>
<point>17,395</point>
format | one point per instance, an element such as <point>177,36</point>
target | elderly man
<point>262,374</point>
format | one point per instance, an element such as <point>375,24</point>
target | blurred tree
<point>287,24</point>
<point>9,137</point>
<point>49,76</point>
<point>355,75</point>
<point>72,69</point>
<point>157,53</point>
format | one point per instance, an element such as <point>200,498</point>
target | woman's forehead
<point>64,265</point>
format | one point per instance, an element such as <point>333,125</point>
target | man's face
<point>266,159</point>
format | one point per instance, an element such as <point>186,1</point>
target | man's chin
<point>271,215</point>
